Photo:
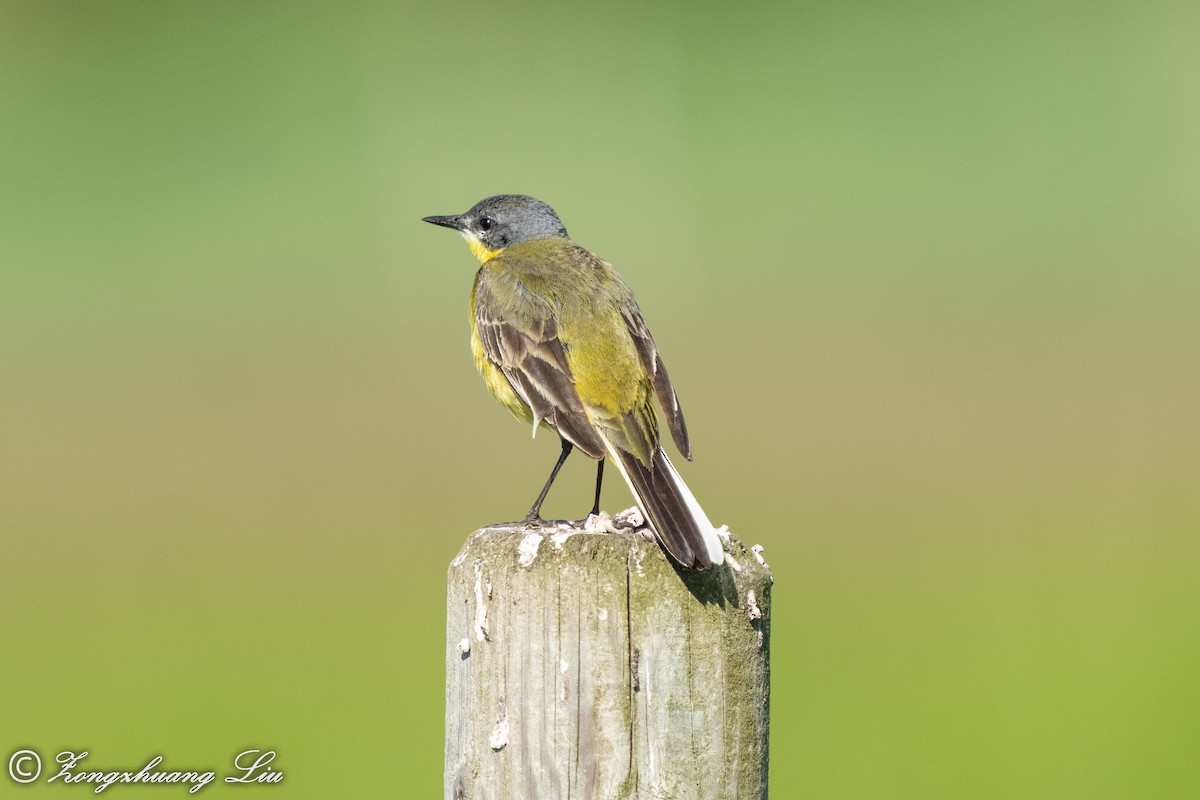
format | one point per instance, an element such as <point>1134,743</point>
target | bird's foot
<point>534,522</point>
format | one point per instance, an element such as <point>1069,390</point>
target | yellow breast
<point>493,378</point>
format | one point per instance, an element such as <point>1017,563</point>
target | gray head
<point>501,221</point>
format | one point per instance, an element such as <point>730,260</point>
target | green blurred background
<point>927,279</point>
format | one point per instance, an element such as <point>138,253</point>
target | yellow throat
<point>481,250</point>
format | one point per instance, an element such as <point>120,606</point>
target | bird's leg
<point>582,523</point>
<point>534,518</point>
<point>599,480</point>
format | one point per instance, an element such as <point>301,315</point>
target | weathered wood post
<point>584,665</point>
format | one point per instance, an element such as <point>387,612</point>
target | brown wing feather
<point>667,399</point>
<point>530,355</point>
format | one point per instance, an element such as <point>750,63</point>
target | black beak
<point>454,221</point>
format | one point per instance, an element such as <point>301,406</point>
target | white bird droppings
<point>752,609</point>
<point>527,550</point>
<point>499,737</point>
<point>755,615</point>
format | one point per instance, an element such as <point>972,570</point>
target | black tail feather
<point>663,499</point>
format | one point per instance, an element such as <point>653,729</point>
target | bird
<point>558,338</point>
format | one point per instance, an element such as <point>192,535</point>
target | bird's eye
<point>486,223</point>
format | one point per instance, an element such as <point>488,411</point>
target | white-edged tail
<point>678,521</point>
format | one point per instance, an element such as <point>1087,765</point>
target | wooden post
<point>585,665</point>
